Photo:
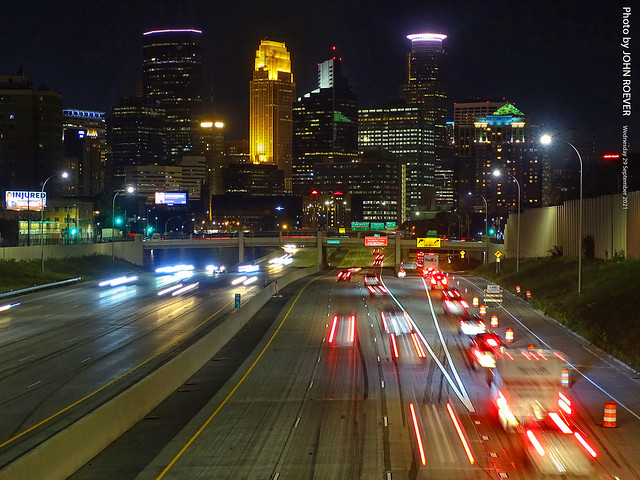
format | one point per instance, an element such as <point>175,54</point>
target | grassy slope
<point>606,311</point>
<point>17,275</point>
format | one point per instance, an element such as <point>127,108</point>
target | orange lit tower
<point>271,99</point>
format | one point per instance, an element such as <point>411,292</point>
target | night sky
<point>559,61</point>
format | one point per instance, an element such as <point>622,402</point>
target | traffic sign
<point>359,225</point>
<point>428,243</point>
<point>432,233</point>
<point>237,300</point>
<point>494,288</point>
<point>498,254</point>
<point>377,225</point>
<point>462,253</point>
<point>333,242</point>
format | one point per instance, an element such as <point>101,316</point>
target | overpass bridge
<point>325,244</point>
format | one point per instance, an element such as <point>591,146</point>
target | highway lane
<point>302,407</point>
<point>63,352</point>
<point>596,377</point>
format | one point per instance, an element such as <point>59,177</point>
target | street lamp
<point>113,224</point>
<point>64,175</point>
<point>546,140</point>
<point>496,173</point>
<point>486,224</point>
<point>166,224</point>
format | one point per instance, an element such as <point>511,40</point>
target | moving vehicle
<point>453,303</point>
<point>527,386</point>
<point>344,275</point>
<point>471,325</point>
<point>484,348</point>
<point>373,284</point>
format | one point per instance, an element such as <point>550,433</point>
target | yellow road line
<point>171,345</point>
<point>204,425</point>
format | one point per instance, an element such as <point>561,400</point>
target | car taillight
<point>536,444</point>
<point>443,280</point>
<point>464,303</point>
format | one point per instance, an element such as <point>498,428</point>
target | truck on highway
<point>526,385</point>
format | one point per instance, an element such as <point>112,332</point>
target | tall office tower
<point>503,140</point>
<point>271,95</point>
<point>212,148</point>
<point>402,131</point>
<point>325,125</point>
<point>85,151</point>
<point>426,86</point>
<point>136,136</point>
<point>465,115</point>
<point>30,135</point>
<point>172,80</point>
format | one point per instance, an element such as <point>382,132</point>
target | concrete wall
<point>612,227</point>
<point>128,251</point>
<point>63,454</point>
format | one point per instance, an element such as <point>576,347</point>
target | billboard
<point>171,198</point>
<point>375,241</point>
<point>23,200</point>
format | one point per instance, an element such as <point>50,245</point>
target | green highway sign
<point>359,225</point>
<point>432,233</point>
<point>377,225</point>
<point>237,300</point>
<point>391,226</point>
<point>333,242</point>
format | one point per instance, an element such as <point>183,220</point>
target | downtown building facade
<point>502,140</point>
<point>271,96</point>
<point>85,151</point>
<point>325,126</point>
<point>172,81</point>
<point>426,86</point>
<point>402,131</point>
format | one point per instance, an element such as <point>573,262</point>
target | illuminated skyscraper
<point>426,86</point>
<point>270,108</point>
<point>325,125</point>
<point>172,80</point>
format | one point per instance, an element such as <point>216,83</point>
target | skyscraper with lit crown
<point>426,85</point>
<point>272,92</point>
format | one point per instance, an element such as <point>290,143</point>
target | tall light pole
<point>546,140</point>
<point>166,224</point>
<point>42,205</point>
<point>113,224</point>
<point>496,173</point>
<point>486,224</point>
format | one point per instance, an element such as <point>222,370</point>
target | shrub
<point>555,251</point>
<point>588,247</point>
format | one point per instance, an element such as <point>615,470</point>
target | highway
<point>315,387</point>
<point>65,351</point>
<point>324,396</point>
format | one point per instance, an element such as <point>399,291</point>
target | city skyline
<point>557,64</point>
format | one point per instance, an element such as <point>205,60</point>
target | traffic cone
<point>609,419</point>
<point>508,336</point>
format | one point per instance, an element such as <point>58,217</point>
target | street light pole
<point>113,220</point>
<point>497,173</point>
<point>546,140</point>
<point>486,225</point>
<point>64,175</point>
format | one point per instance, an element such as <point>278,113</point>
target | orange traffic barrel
<point>528,293</point>
<point>483,310</point>
<point>609,414</point>
<point>564,377</point>
<point>508,336</point>
<point>465,291</point>
<point>517,288</point>
<point>494,320</point>
<point>531,346</point>
<point>476,302</point>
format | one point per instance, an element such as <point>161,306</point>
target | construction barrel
<point>610,419</point>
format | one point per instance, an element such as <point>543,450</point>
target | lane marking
<point>297,422</point>
<point>233,390</point>
<point>106,385</point>
<point>462,395</point>
<point>34,384</point>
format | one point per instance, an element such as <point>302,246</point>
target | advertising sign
<point>171,198</point>
<point>428,243</point>
<point>375,241</point>
<point>23,200</point>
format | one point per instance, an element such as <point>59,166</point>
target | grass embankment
<point>605,313</point>
<point>17,275</point>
